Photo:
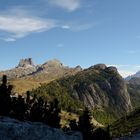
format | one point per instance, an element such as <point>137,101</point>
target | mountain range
<point>26,75</point>
<point>99,87</point>
<point>26,68</point>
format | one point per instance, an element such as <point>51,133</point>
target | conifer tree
<point>85,125</point>
<point>5,100</point>
<point>73,125</point>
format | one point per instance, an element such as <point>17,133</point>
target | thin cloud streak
<point>9,39</point>
<point>70,5</point>
<point>19,27</point>
<point>78,26</point>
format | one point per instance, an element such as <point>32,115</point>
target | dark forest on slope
<point>38,110</point>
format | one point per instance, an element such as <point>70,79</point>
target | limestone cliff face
<point>24,68</point>
<point>119,94</point>
<point>11,129</point>
<point>100,87</point>
<point>26,63</point>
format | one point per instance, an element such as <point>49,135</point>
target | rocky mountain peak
<point>111,69</point>
<point>27,62</point>
<point>78,68</point>
<point>53,63</point>
<point>100,66</point>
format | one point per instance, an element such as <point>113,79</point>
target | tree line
<point>37,110</point>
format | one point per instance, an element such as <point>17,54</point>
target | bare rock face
<point>111,69</point>
<point>120,95</point>
<point>11,129</point>
<point>26,63</point>
<point>102,87</point>
<point>100,66</point>
<point>24,68</point>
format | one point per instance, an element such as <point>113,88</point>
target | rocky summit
<point>26,63</point>
<point>11,129</point>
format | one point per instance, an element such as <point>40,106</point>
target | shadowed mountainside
<point>99,87</point>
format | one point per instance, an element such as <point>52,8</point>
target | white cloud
<point>15,26</point>
<point>70,5</point>
<point>9,39</point>
<point>78,26</point>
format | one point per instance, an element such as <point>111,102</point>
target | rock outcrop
<point>26,63</point>
<point>105,88</point>
<point>100,66</point>
<point>11,129</point>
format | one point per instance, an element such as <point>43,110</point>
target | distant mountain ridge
<point>26,67</point>
<point>136,75</point>
<point>26,75</point>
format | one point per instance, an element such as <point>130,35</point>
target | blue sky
<point>77,32</point>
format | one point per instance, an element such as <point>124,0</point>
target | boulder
<point>11,129</point>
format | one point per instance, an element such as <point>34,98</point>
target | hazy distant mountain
<point>136,75</point>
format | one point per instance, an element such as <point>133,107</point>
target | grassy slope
<point>21,85</point>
